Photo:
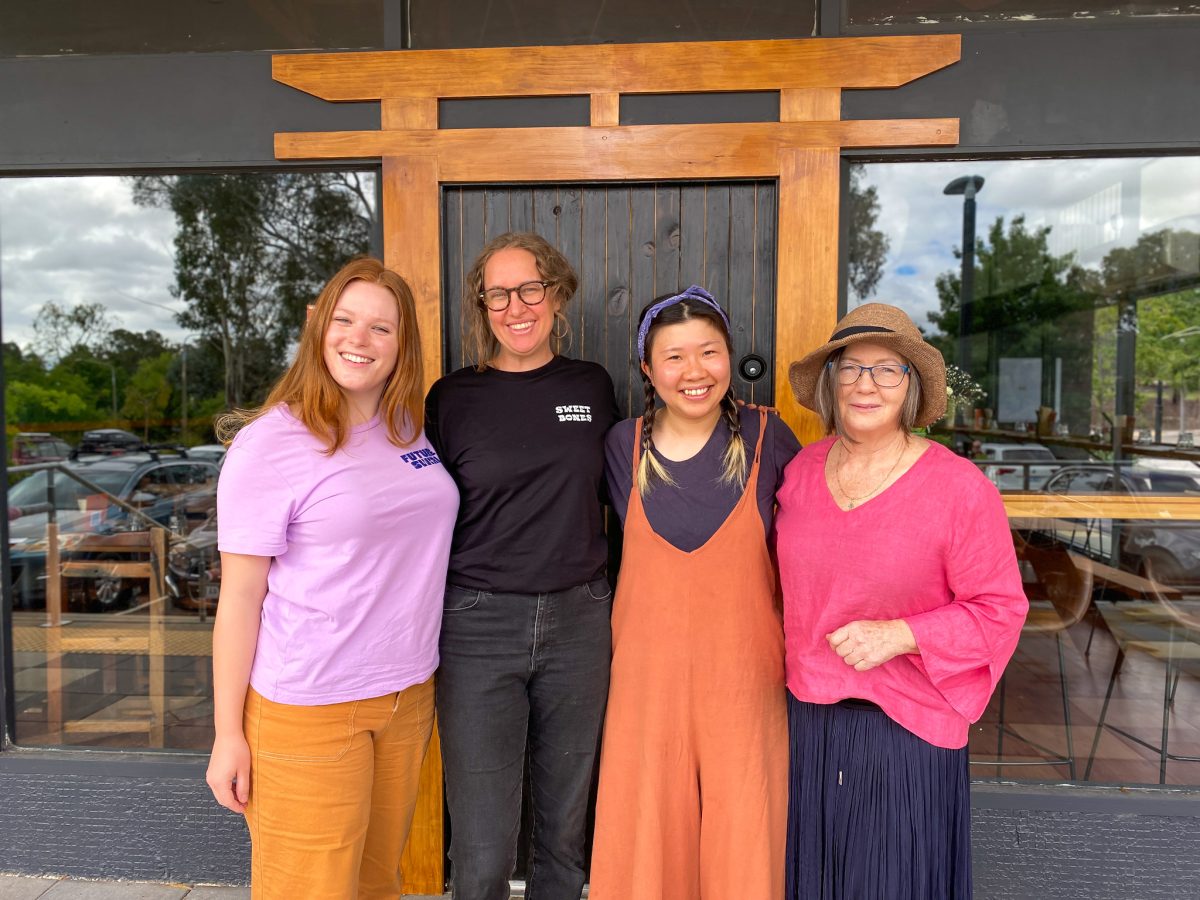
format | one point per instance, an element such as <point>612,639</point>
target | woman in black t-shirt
<point>525,643</point>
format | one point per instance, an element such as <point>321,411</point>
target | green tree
<point>868,246</point>
<point>148,392</point>
<point>59,330</point>
<point>26,403</point>
<point>21,365</point>
<point>1158,277</point>
<point>250,252</point>
<point>1028,303</point>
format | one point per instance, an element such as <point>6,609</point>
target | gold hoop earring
<point>560,320</point>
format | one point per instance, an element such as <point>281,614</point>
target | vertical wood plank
<point>810,104</point>
<point>691,236</point>
<point>472,237</point>
<point>411,246</point>
<point>422,863</point>
<point>643,252</point>
<point>716,241</point>
<point>605,258</point>
<point>545,214</point>
<point>496,215</point>
<point>739,296</point>
<point>520,210</point>
<point>408,113</point>
<point>156,642</point>
<point>452,279</point>
<point>569,215</point>
<point>807,286</point>
<point>593,274</point>
<point>765,239</point>
<point>473,230</point>
<point>605,109</point>
<point>666,238</point>
<point>614,350</point>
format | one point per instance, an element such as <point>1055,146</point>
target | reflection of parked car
<point>1009,477</point>
<point>113,441</point>
<point>176,493</point>
<point>38,447</point>
<point>194,568</point>
<point>213,453</point>
<point>1167,550</point>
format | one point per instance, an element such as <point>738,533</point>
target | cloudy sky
<point>1090,205</point>
<point>82,240</point>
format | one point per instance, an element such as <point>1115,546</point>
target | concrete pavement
<point>29,887</point>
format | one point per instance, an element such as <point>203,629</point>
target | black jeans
<point>520,669</point>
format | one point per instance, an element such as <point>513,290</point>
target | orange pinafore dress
<point>693,791</point>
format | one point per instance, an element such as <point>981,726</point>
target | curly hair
<point>560,278</point>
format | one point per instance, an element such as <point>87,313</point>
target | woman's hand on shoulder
<point>228,773</point>
<point>867,643</point>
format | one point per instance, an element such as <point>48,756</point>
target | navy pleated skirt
<point>874,812</point>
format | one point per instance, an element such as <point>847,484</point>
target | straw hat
<point>878,323</point>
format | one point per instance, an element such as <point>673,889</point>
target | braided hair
<point>733,460</point>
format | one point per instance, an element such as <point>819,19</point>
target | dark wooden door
<point>630,243</point>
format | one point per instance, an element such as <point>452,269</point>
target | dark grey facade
<point>1073,88</point>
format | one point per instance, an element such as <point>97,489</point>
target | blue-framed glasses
<point>885,375</point>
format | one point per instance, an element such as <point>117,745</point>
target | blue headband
<point>695,292</point>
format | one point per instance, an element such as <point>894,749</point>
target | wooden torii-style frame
<point>802,151</point>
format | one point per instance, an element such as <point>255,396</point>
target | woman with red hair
<point>334,525</point>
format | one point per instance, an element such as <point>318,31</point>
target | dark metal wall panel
<point>478,23</point>
<point>1021,90</point>
<point>180,110</point>
<point>629,243</point>
<point>1063,89</point>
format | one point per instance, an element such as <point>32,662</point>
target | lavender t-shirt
<point>360,541</point>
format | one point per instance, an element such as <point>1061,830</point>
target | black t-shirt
<point>527,452</point>
<point>688,514</point>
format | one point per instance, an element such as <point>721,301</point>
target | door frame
<point>802,151</point>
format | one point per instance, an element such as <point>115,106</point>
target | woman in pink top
<point>902,606</point>
<point>334,525</point>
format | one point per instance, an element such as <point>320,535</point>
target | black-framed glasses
<point>886,375</point>
<point>531,293</point>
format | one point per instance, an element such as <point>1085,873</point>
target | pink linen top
<point>934,549</point>
<point>360,540</point>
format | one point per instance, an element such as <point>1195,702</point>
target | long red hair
<point>310,391</point>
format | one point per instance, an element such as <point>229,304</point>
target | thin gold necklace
<point>837,476</point>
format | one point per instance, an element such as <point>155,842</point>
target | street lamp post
<point>968,186</point>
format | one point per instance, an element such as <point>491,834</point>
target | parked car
<point>38,447</point>
<point>176,493</point>
<point>194,568</point>
<point>113,441</point>
<point>214,453</point>
<point>1008,472</point>
<point>1163,549</point>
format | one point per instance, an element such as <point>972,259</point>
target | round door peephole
<point>752,367</point>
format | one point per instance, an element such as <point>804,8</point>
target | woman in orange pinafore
<point>693,775</point>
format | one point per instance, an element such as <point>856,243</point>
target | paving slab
<point>212,892</point>
<point>24,887</point>
<point>114,890</point>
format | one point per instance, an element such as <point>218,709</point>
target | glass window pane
<point>117,297</point>
<point>923,12</point>
<point>1079,389</point>
<point>1110,641</point>
<point>59,27</point>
